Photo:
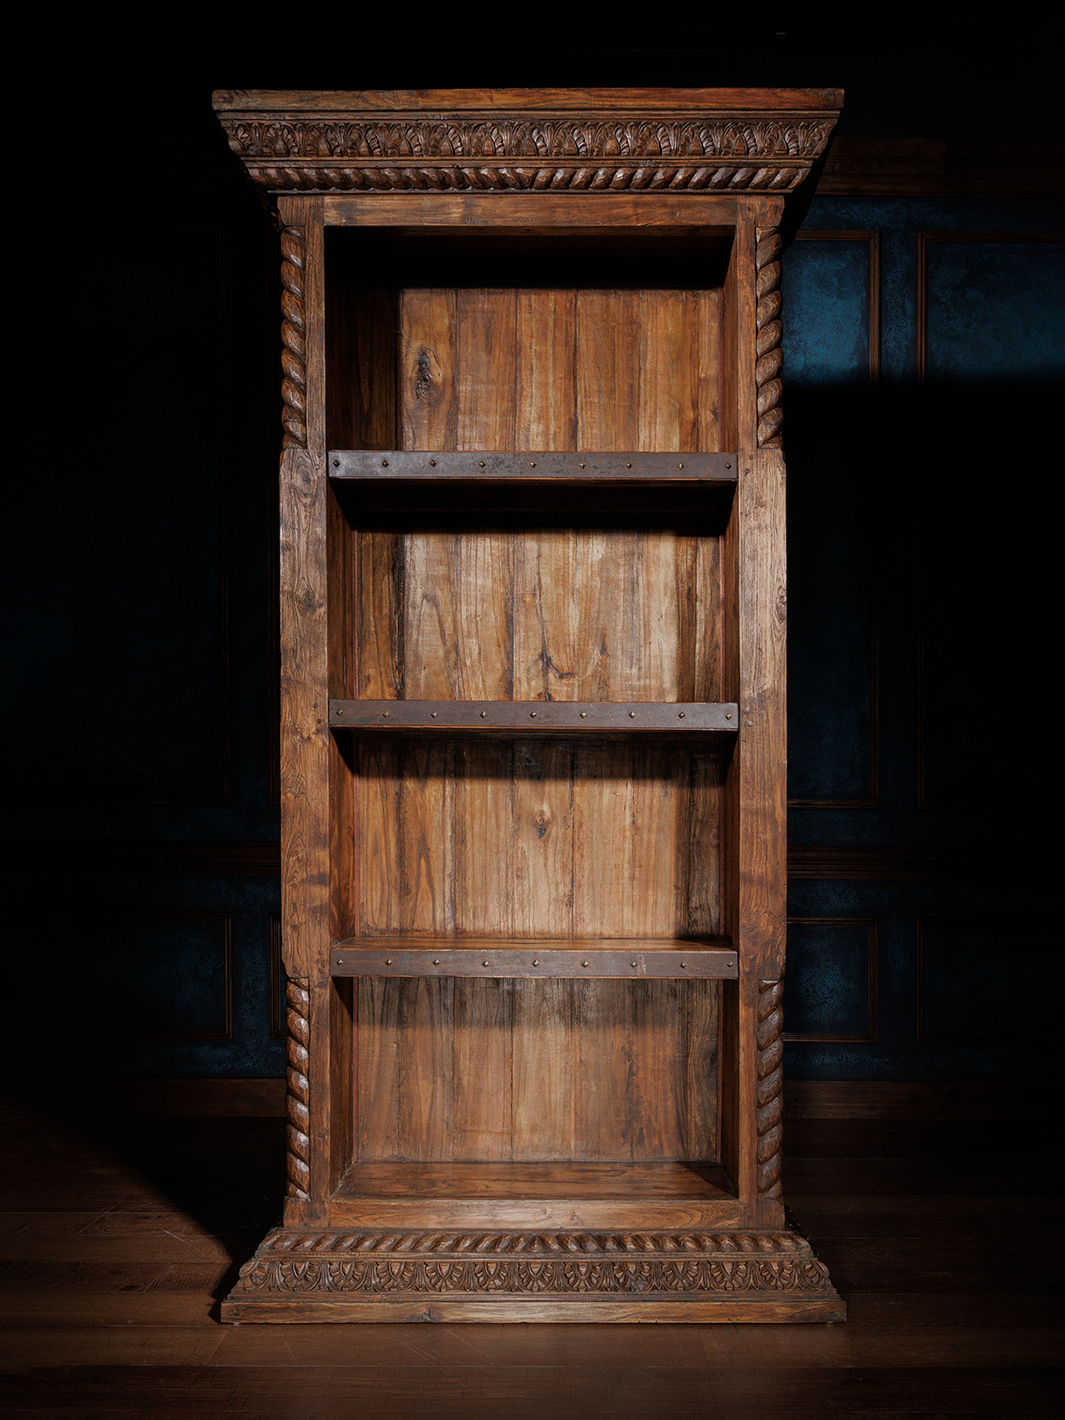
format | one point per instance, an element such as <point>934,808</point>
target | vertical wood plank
<point>541,839</point>
<point>544,1080</point>
<point>545,397</point>
<point>484,837</point>
<point>426,838</point>
<point>707,369</point>
<point>699,1021</point>
<point>606,369</point>
<point>487,412</point>
<point>706,795</point>
<point>603,1048</point>
<point>380,767</point>
<point>380,629</point>
<point>378,1067</point>
<point>485,1037</point>
<point>547,566</point>
<point>428,369</point>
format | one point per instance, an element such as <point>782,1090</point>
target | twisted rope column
<point>769,331</point>
<point>297,1013</point>
<point>769,1109</point>
<point>293,337</point>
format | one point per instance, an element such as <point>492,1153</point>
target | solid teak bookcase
<point>533,758</point>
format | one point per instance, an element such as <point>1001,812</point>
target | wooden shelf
<point>670,1180</point>
<point>532,467</point>
<point>553,957</point>
<point>531,716</point>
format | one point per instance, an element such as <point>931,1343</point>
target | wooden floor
<point>119,1239</point>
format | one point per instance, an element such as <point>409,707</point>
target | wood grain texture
<point>586,717</point>
<point>433,100</point>
<point>539,958</point>
<point>452,1068</point>
<point>510,837</point>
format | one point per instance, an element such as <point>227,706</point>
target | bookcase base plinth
<point>326,1275</point>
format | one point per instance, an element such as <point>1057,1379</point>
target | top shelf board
<point>534,467</point>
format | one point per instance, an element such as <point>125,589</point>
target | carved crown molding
<point>527,151</point>
<point>292,1261</point>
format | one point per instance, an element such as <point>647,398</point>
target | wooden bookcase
<point>533,760</point>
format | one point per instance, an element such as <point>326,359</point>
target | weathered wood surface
<point>527,716</point>
<point>546,959</point>
<point>494,837</point>
<point>433,100</point>
<point>458,1068</point>
<point>532,465</point>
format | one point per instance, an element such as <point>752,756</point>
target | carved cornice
<point>291,1261</point>
<point>526,151</point>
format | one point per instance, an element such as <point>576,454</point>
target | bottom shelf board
<point>669,1180</point>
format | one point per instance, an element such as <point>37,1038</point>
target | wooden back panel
<point>540,838</point>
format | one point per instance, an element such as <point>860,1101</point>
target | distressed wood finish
<point>526,716</point>
<point>547,958</point>
<point>533,711</point>
<point>532,465</point>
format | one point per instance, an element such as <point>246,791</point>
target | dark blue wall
<point>924,364</point>
<point>142,556</point>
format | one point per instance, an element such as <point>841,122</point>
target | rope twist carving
<point>298,1098</point>
<point>769,1113</point>
<point>769,331</point>
<point>293,337</point>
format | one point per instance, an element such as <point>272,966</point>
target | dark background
<point>141,717</point>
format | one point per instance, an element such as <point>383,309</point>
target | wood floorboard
<point>115,1245</point>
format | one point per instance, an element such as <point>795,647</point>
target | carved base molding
<point>341,1275</point>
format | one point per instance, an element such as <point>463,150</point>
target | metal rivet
<point>336,463</point>
<point>580,465</point>
<point>484,963</point>
<point>749,723</point>
<point>680,465</point>
<point>482,463</point>
<point>436,961</point>
<point>484,714</point>
<point>684,964</point>
<point>680,714</point>
<point>628,465</point>
<point>632,963</point>
<point>387,714</point>
<point>584,714</point>
<point>432,714</point>
<point>384,463</point>
<point>340,961</point>
<point>432,463</point>
<point>535,962</point>
<point>388,961</point>
<point>584,963</point>
<point>532,714</point>
<point>632,714</point>
<point>532,465</point>
<point>728,714</point>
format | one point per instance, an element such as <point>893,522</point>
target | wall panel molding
<point>869,1035</point>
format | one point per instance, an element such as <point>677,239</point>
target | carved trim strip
<point>290,1262</point>
<point>735,175</point>
<point>297,1101</point>
<point>442,140</point>
<point>769,1112</point>
<point>293,337</point>
<point>769,330</point>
